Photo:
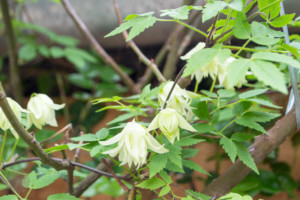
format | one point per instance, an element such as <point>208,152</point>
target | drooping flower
<point>197,48</point>
<point>180,99</point>
<point>133,142</point>
<point>17,109</point>
<point>169,121</point>
<point>42,111</point>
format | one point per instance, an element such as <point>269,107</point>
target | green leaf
<point>241,137</point>
<point>43,50</point>
<point>45,180</point>
<point>211,9</point>
<point>264,103</point>
<point>57,148</point>
<point>189,141</point>
<point>81,81</point>
<point>102,133</point>
<point>250,124</point>
<point>237,70</point>
<point>270,11</point>
<point>188,152</point>
<point>260,34</point>
<point>157,163</point>
<point>223,93</point>
<point>9,197</point>
<point>180,13</point>
<point>165,176</point>
<point>72,146</point>
<point>199,195</point>
<point>237,5</point>
<point>121,118</point>
<point>252,93</point>
<point>269,74</point>
<point>65,40</point>
<point>282,20</point>
<point>62,196</point>
<point>204,57</point>
<point>165,190</point>
<point>229,147</point>
<point>245,157</point>
<point>203,127</point>
<point>241,107</point>
<point>85,138</point>
<point>174,168</point>
<point>190,164</point>
<point>57,52</point>
<point>201,110</point>
<point>259,116</point>
<point>174,155</point>
<point>136,25</point>
<point>276,57</point>
<point>151,184</point>
<point>27,52</point>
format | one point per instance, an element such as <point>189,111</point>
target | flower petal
<point>184,124</point>
<point>154,145</point>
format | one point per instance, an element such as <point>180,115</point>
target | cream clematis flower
<point>41,111</point>
<point>180,99</point>
<point>197,48</point>
<point>133,142</point>
<point>17,109</point>
<point>169,121</point>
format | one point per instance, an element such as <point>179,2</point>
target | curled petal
<point>184,124</point>
<point>154,145</point>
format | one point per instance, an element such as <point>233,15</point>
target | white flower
<point>133,142</point>
<point>180,99</point>
<point>169,121</point>
<point>194,50</point>
<point>210,69</point>
<point>41,111</point>
<point>17,109</point>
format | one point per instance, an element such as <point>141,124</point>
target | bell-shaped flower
<point>194,50</point>
<point>42,111</point>
<point>17,109</point>
<point>169,121</point>
<point>180,99</point>
<point>133,142</point>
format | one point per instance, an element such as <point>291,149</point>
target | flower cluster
<point>40,111</point>
<point>134,140</point>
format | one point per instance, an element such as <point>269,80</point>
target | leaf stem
<point>227,125</point>
<point>242,48</point>
<point>28,193</point>
<point>3,145</point>
<point>13,149</point>
<point>10,186</point>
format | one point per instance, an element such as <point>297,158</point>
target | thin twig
<point>183,189</point>
<point>98,48</point>
<point>138,52</point>
<point>70,178</point>
<point>62,93</point>
<point>115,176</point>
<point>76,155</point>
<point>64,129</point>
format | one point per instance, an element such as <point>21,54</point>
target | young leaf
<point>269,74</point>
<point>251,124</point>
<point>237,70</point>
<point>211,9</point>
<point>245,157</point>
<point>151,184</point>
<point>9,197</point>
<point>136,25</point>
<point>180,13</point>
<point>260,35</point>
<point>62,196</point>
<point>237,5</point>
<point>190,164</point>
<point>252,93</point>
<point>241,28</point>
<point>189,141</point>
<point>157,163</point>
<point>276,57</point>
<point>165,190</point>
<point>270,11</point>
<point>282,20</point>
<point>229,147</point>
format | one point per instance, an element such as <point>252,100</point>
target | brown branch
<point>138,52</point>
<point>98,48</point>
<point>261,148</point>
<point>15,82</point>
<point>115,176</point>
<point>70,178</point>
<point>30,140</point>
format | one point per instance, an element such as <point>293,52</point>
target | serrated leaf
<point>241,137</point>
<point>189,141</point>
<point>260,35</point>
<point>282,20</point>
<point>211,9</point>
<point>250,124</point>
<point>237,70</point>
<point>199,195</point>
<point>201,110</point>
<point>276,57</point>
<point>85,138</point>
<point>165,176</point>
<point>203,127</point>
<point>136,25</point>
<point>229,148</point>
<point>151,184</point>
<point>270,11</point>
<point>157,163</point>
<point>121,118</point>
<point>188,152</point>
<point>174,168</point>
<point>9,197</point>
<point>264,103</point>
<point>174,155</point>
<point>244,155</point>
<point>165,190</point>
<point>259,116</point>
<point>252,93</point>
<point>180,13</point>
<point>269,74</point>
<point>241,107</point>
<point>237,5</point>
<point>45,180</point>
<point>62,196</point>
<point>224,93</point>
<point>190,164</point>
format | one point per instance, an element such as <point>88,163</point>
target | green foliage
<point>201,110</point>
<point>189,141</point>
<point>229,147</point>
<point>211,9</point>
<point>180,13</point>
<point>34,181</point>
<point>151,184</point>
<point>282,20</point>
<point>62,196</point>
<point>157,163</point>
<point>245,156</point>
<point>190,164</point>
<point>9,197</point>
<point>260,35</point>
<point>237,70</point>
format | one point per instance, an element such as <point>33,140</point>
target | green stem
<point>227,125</point>
<point>11,187</point>
<point>226,22</point>
<point>13,149</point>
<point>16,172</point>
<point>270,5</point>
<point>213,84</point>
<point>243,47</point>
<point>28,193</point>
<point>196,87</point>
<point>252,50</point>
<point>224,106</point>
<point>3,145</point>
